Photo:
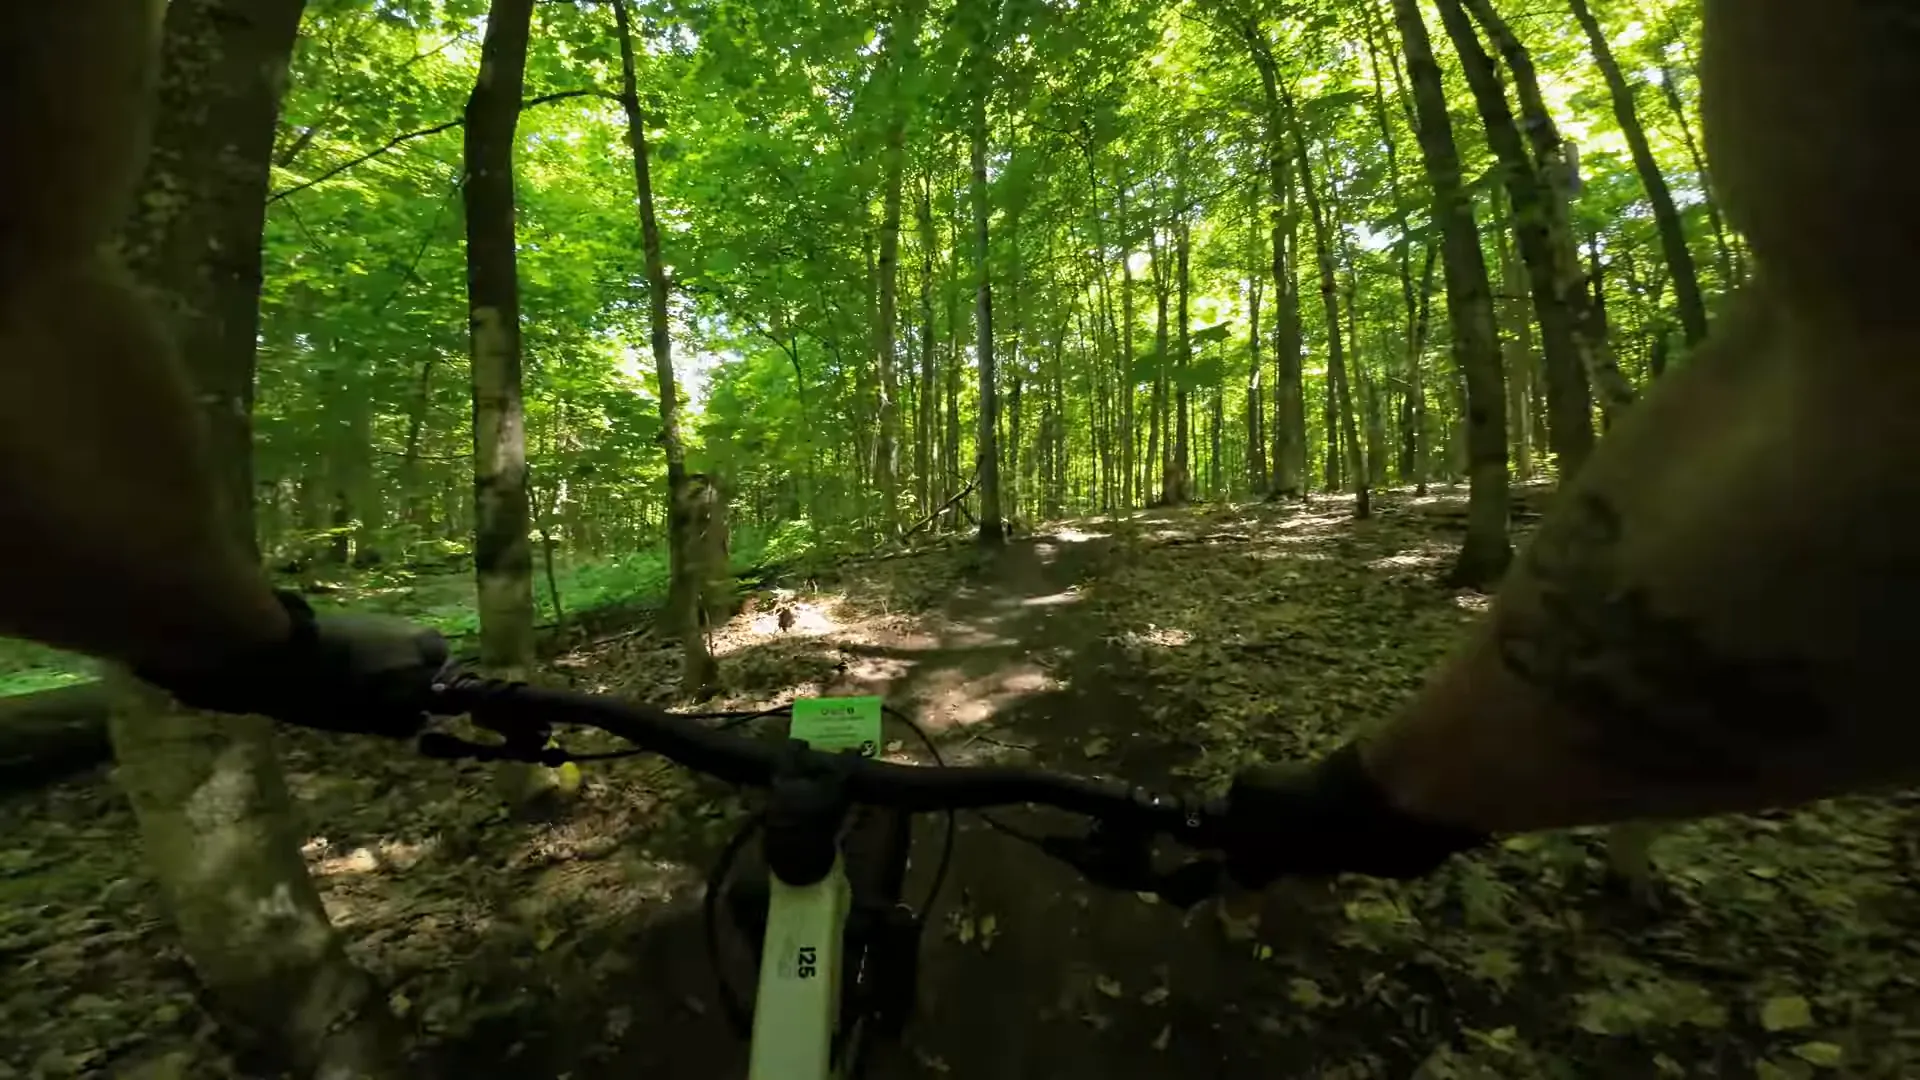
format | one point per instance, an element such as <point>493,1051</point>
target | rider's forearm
<point>114,542</point>
<point>1711,618</point>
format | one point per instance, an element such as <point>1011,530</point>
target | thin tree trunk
<point>1420,433</point>
<point>216,823</point>
<point>1290,398</point>
<point>1256,397</point>
<point>503,559</point>
<point>415,501</point>
<point>1129,479</point>
<point>1726,259</point>
<point>988,453</point>
<point>1557,161</point>
<point>1179,475</point>
<point>1666,217</point>
<point>955,477</point>
<point>1289,405</point>
<point>1486,552</point>
<point>1517,340</point>
<point>1341,411</point>
<point>1159,441</point>
<point>1572,427</point>
<point>927,412</point>
<point>698,673</point>
<point>886,464</point>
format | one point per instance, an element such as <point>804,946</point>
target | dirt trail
<point>1075,982</point>
<point>1027,971</point>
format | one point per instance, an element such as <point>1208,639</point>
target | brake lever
<point>438,744</point>
<point>1124,862</point>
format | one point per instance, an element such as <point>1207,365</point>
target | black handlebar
<point>522,712</point>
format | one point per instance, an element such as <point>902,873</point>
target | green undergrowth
<point>445,599</point>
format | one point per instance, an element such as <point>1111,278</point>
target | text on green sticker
<point>836,724</point>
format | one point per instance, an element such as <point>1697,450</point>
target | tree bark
<point>503,559</point>
<point>1726,259</point>
<point>1179,473</point>
<point>685,607</point>
<point>1129,479</point>
<point>886,464</point>
<point>988,452</point>
<point>1289,403</point>
<point>1517,344</point>
<point>1559,324</point>
<point>1666,217</point>
<point>1256,396</point>
<point>1342,412</point>
<point>1486,552</point>
<point>926,417</point>
<point>1569,401</point>
<point>214,815</point>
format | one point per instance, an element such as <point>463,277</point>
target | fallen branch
<point>944,507</point>
<point>639,632</point>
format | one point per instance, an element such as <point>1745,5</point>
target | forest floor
<point>1169,648</point>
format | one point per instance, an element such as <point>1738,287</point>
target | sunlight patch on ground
<point>1472,601</point>
<point>1045,552</point>
<point>1071,596</point>
<point>387,855</point>
<point>1416,558</point>
<point>951,699</point>
<point>1075,536</point>
<point>810,618</point>
<point>616,884</point>
<point>1276,552</point>
<point>1166,637</point>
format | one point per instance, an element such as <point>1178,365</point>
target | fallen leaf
<point>1825,1055</point>
<point>1161,1040</point>
<point>1107,985</point>
<point>1787,1013</point>
<point>1305,993</point>
<point>1096,747</point>
<point>1155,996</point>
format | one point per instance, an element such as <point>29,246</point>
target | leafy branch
<point>409,136</point>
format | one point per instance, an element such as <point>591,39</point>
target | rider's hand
<point>1329,818</point>
<point>351,673</point>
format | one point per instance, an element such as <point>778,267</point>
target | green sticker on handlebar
<point>836,724</point>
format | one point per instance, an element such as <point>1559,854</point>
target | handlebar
<point>510,707</point>
<point>1117,853</point>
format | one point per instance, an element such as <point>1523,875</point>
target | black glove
<point>1329,818</point>
<point>365,674</point>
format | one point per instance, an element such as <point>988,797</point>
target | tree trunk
<point>1486,552</point>
<point>1555,309</point>
<point>1516,336</point>
<point>215,820</point>
<point>886,464</point>
<point>1129,481</point>
<point>988,452</point>
<point>1666,217</point>
<point>927,415</point>
<point>1569,401</point>
<point>1158,438</point>
<point>1418,435</point>
<point>1256,396</point>
<point>1341,412</point>
<point>698,674</point>
<point>1179,475</point>
<point>1289,396</point>
<point>413,499</point>
<point>1726,259</point>
<point>1289,405</point>
<point>503,559</point>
